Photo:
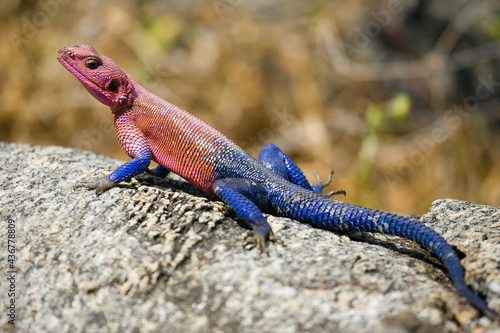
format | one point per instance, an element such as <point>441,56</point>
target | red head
<point>107,82</point>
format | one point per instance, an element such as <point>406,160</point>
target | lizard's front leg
<point>159,171</point>
<point>134,167</point>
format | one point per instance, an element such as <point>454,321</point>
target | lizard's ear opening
<point>121,93</point>
<point>113,86</point>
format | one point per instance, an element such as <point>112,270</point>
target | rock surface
<point>157,255</point>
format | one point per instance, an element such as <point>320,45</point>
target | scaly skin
<point>150,128</point>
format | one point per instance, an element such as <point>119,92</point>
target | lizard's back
<point>184,144</point>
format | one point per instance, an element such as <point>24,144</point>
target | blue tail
<point>326,213</point>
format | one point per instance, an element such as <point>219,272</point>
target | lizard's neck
<point>131,91</point>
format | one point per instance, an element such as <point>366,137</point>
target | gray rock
<point>157,255</point>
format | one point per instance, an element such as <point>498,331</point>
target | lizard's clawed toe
<point>100,185</point>
<point>259,241</point>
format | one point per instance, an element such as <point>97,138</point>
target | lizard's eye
<point>91,63</point>
<point>113,86</point>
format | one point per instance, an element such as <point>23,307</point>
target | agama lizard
<point>150,128</point>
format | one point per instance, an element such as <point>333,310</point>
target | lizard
<point>149,128</point>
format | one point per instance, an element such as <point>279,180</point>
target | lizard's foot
<point>159,171</point>
<point>100,185</point>
<point>259,240</point>
<point>335,192</point>
<point>321,185</point>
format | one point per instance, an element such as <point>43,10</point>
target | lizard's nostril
<point>64,51</point>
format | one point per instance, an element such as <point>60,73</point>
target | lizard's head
<point>107,82</point>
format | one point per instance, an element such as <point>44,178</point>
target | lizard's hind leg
<point>273,158</point>
<point>248,199</point>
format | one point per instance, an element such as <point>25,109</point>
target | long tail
<point>331,214</point>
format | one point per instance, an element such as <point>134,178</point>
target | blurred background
<point>400,97</point>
